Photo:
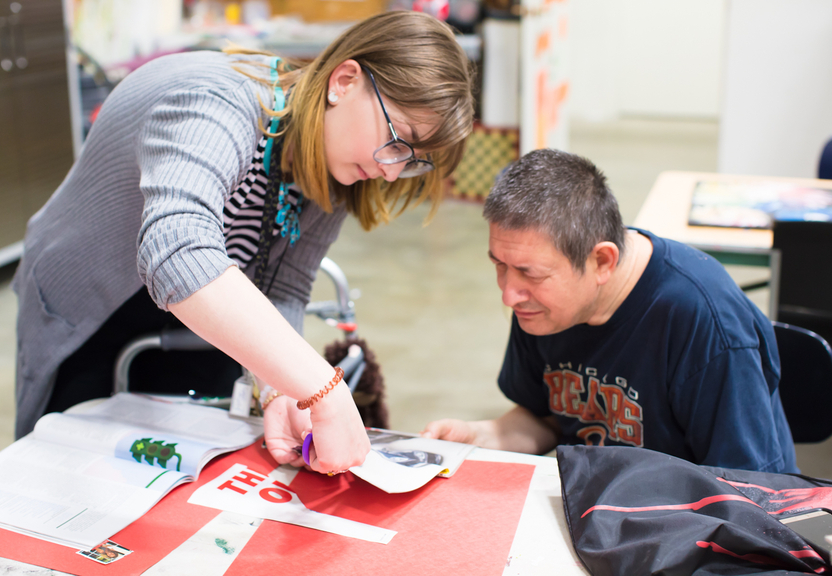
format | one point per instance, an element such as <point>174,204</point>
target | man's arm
<point>518,430</point>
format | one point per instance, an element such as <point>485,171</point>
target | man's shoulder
<point>688,276</point>
<point>697,291</point>
<point>689,265</point>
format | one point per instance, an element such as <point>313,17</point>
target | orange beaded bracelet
<point>267,395</point>
<point>304,404</point>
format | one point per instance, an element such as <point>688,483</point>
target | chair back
<point>801,287</point>
<point>805,382</point>
<point>825,163</point>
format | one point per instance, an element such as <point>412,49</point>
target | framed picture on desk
<point>756,204</point>
<point>667,208</point>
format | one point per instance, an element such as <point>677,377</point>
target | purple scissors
<point>307,442</point>
<point>302,450</point>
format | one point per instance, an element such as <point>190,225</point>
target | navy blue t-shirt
<point>687,365</point>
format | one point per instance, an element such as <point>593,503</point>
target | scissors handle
<point>307,442</point>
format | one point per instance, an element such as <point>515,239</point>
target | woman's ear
<point>344,78</point>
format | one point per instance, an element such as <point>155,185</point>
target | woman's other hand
<point>284,428</point>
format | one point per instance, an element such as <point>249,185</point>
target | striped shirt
<point>242,214</point>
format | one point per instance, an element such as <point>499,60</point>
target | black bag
<point>632,511</point>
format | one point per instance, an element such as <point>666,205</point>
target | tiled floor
<point>429,306</point>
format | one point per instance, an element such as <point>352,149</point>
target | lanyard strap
<point>279,104</point>
<point>278,208</point>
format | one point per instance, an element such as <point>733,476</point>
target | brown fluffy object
<point>369,394</point>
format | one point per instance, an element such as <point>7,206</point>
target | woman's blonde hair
<point>419,66</point>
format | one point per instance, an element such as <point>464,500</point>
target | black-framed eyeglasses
<point>397,150</point>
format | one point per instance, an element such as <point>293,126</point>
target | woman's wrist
<point>332,403</point>
<point>323,392</point>
<point>267,394</point>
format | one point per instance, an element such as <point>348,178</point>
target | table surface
<point>665,213</point>
<point>541,546</point>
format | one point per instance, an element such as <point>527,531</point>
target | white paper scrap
<point>401,462</point>
<point>251,493</point>
<point>391,477</point>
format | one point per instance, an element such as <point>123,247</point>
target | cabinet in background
<point>35,127</point>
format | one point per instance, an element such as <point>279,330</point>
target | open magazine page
<point>401,462</point>
<point>72,496</point>
<point>82,476</point>
<point>111,438</point>
<point>209,425</point>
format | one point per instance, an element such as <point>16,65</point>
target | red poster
<point>463,524</point>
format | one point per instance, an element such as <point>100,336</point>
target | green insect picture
<point>155,452</point>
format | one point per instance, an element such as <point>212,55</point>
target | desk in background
<point>665,213</point>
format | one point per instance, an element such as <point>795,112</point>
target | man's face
<point>538,282</point>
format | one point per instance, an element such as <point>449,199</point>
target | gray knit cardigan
<point>143,206</point>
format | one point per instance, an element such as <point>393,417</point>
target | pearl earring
<point>332,97</point>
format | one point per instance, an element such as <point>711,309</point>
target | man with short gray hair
<point>620,337</point>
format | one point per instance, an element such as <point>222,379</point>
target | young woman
<point>224,178</point>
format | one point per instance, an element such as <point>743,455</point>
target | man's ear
<point>604,257</point>
<point>344,78</point>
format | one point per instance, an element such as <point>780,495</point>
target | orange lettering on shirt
<point>592,410</point>
<point>587,433</point>
<point>614,401</point>
<point>629,425</point>
<point>554,380</point>
<point>573,386</point>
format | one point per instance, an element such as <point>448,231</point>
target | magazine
<point>756,204</point>
<point>79,478</point>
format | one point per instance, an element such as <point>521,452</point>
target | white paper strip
<point>394,478</point>
<point>248,492</point>
<point>401,462</point>
<point>211,550</point>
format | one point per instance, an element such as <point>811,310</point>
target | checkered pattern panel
<point>487,152</point>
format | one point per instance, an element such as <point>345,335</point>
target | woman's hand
<point>285,427</point>
<point>341,441</point>
<point>233,315</point>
